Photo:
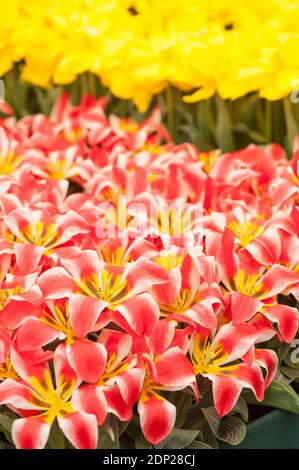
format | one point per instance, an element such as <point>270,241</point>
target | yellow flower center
<point>149,387</point>
<point>296,268</point>
<point>7,371</point>
<point>57,169</point>
<point>114,257</point>
<point>9,163</point>
<point>147,393</point>
<point>40,235</point>
<point>118,215</point>
<point>247,284</point>
<point>153,149</point>
<point>6,293</point>
<point>59,320</point>
<point>73,135</point>
<point>208,159</point>
<point>113,369</point>
<point>173,222</point>
<point>128,126</point>
<point>169,260</point>
<point>295,179</point>
<point>151,177</point>
<point>110,195</point>
<point>110,288</point>
<point>183,302</point>
<point>246,232</point>
<point>54,402</point>
<point>207,360</point>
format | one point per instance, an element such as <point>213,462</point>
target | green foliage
<point>179,439</point>
<point>209,124</point>
<point>6,421</point>
<point>279,395</point>
<point>231,430</point>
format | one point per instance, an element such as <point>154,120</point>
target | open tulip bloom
<point>161,276</point>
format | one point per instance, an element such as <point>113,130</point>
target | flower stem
<point>170,111</point>
<point>291,125</point>
<point>92,87</point>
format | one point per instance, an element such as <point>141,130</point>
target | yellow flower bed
<point>139,47</point>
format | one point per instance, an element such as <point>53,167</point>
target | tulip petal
<point>243,307</point>
<point>130,384</point>
<point>287,319</point>
<point>84,312</point>
<point>34,334</point>
<point>277,279</point>
<point>30,433</point>
<point>202,314</point>
<point>141,313</point>
<point>269,361</point>
<point>91,399</point>
<point>56,283</point>
<point>157,418</point>
<point>28,256</point>
<point>173,369</point>
<point>88,359</point>
<point>226,392</point>
<point>235,340</point>
<point>116,403</point>
<point>16,394</point>
<point>143,274</point>
<point>81,429</point>
<point>16,312</point>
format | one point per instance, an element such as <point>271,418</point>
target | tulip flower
<point>43,400</point>
<point>220,360</point>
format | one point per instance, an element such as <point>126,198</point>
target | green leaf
<point>212,418</point>
<point>197,137</point>
<point>6,422</point>
<point>6,425</point>
<point>292,128</point>
<point>289,361</point>
<point>109,434</point>
<point>143,444</point>
<point>122,426</point>
<point>134,432</point>
<point>254,135</point>
<point>232,430</point>
<point>279,395</point>
<point>178,439</point>
<point>199,445</point>
<point>205,118</point>
<point>208,436</point>
<point>204,386</point>
<point>183,402</point>
<point>290,373</point>
<point>197,420</point>
<point>241,408</point>
<point>105,441</point>
<point>126,442</point>
<point>140,441</point>
<point>245,109</point>
<point>56,438</point>
<point>194,417</point>
<point>223,131</point>
<point>108,430</point>
<point>183,112</point>
<point>283,351</point>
